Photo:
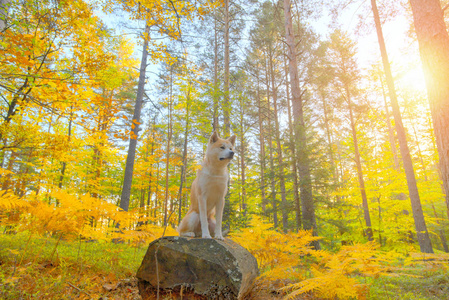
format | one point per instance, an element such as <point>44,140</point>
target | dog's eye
<point>222,147</point>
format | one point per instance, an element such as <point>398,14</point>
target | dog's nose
<point>231,154</point>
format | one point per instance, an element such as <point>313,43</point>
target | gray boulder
<point>193,268</point>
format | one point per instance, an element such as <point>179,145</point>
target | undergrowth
<point>34,268</point>
<point>65,250</point>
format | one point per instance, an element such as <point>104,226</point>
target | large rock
<point>190,268</point>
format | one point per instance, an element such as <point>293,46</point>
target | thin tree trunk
<point>242,158</point>
<point>293,154</point>
<point>156,198</point>
<point>227,110</point>
<point>421,159</point>
<point>226,104</point>
<point>261,147</point>
<point>418,215</point>
<point>272,179</point>
<point>215,91</point>
<point>305,183</point>
<point>184,156</point>
<point>149,204</point>
<point>390,129</point>
<point>284,207</point>
<point>329,139</point>
<point>369,231</point>
<point>433,42</point>
<point>129,167</point>
<point>440,231</point>
<point>167,150</point>
<point>270,144</point>
<point>69,134</point>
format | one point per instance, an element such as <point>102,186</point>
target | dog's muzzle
<point>230,156</point>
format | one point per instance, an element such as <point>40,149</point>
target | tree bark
<point>433,42</point>
<point>184,156</point>
<point>167,150</point>
<point>226,104</point>
<point>278,145</point>
<point>215,91</point>
<point>226,109</point>
<point>390,129</point>
<point>418,215</point>
<point>293,154</point>
<point>369,230</point>
<point>305,183</point>
<point>270,143</point>
<point>129,167</point>
<point>261,147</point>
<point>242,158</point>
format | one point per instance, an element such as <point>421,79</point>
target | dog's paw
<point>188,234</point>
<point>219,237</point>
<point>206,236</point>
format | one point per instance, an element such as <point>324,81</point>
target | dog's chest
<point>214,187</point>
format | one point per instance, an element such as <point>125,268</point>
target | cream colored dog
<point>208,191</point>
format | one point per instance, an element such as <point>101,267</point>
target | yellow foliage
<point>336,276</point>
<point>279,255</point>
<point>290,258</point>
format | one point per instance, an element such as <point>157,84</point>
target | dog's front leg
<point>202,203</point>
<point>219,219</point>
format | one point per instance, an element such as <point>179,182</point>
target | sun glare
<point>413,79</point>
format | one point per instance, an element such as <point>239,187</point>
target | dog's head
<point>220,149</point>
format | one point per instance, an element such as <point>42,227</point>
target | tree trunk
<point>167,150</point>
<point>242,158</point>
<point>184,156</point>
<point>433,42</point>
<point>215,91</point>
<point>305,183</point>
<point>284,207</point>
<point>293,154</point>
<point>390,129</point>
<point>418,215</point>
<point>129,167</point>
<point>226,104</point>
<point>149,204</point>
<point>270,144</point>
<point>61,177</point>
<point>261,147</point>
<point>369,231</point>
<point>226,109</point>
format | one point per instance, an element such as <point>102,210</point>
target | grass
<point>34,268</point>
<point>43,268</point>
<point>419,283</point>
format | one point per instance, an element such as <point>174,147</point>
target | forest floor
<point>38,268</point>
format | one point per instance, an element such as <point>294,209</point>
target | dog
<point>208,191</point>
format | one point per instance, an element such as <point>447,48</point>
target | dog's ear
<point>214,137</point>
<point>232,140</point>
